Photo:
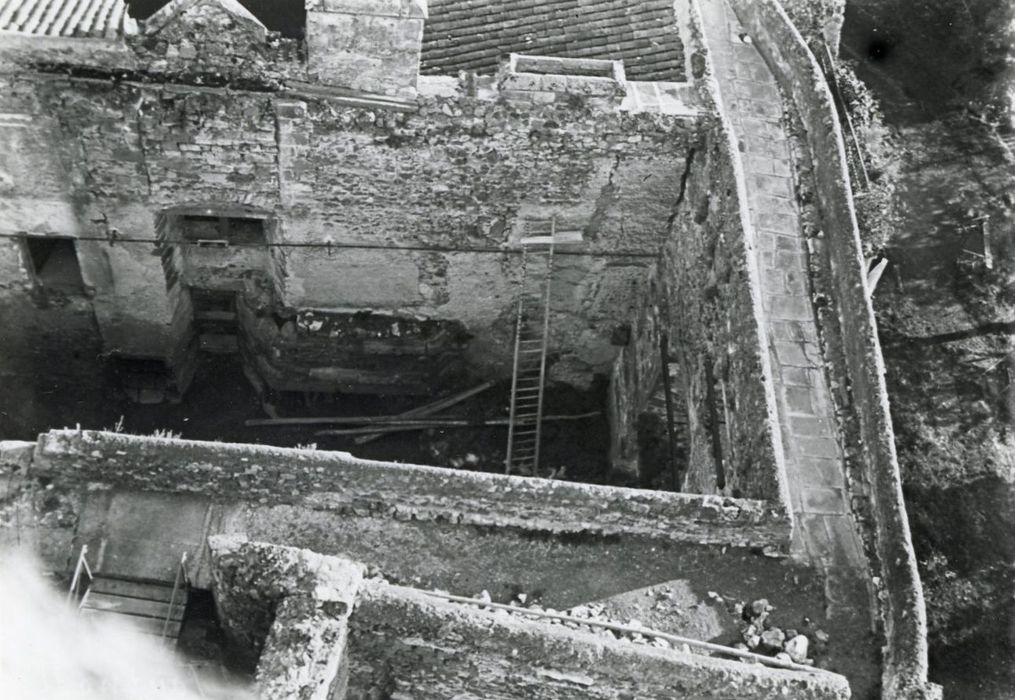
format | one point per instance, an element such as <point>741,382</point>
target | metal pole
<point>77,573</point>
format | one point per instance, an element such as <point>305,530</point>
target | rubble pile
<point>760,635</point>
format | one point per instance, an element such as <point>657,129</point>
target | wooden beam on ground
<point>423,424</point>
<point>429,409</point>
<point>339,420</point>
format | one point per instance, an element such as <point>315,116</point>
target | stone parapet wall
<point>439,649</point>
<point>315,628</point>
<point>339,483</point>
<point>796,70</point>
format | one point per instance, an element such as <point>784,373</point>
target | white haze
<point>49,651</point>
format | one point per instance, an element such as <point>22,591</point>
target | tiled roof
<point>477,34</point>
<point>70,18</point>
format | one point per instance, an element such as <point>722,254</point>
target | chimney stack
<point>371,46</point>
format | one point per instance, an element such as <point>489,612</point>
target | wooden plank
<point>423,424</point>
<point>339,420</point>
<point>133,589</point>
<point>103,602</point>
<point>429,409</point>
<point>144,625</point>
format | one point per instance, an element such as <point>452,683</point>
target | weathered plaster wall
<point>905,662</point>
<point>468,172</point>
<point>402,640</point>
<point>373,47</point>
<point>340,483</point>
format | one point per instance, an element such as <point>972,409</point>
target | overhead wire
<point>332,245</point>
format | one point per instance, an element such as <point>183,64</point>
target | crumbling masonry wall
<point>402,639</point>
<point>468,171</point>
<point>396,638</point>
<point>715,334</point>
<point>342,484</point>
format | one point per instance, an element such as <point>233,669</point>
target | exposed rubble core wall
<point>288,609</point>
<point>716,333</point>
<point>905,662</point>
<point>32,518</point>
<point>339,483</point>
<point>819,20</point>
<point>402,638</point>
<point>634,376</point>
<point>321,630</point>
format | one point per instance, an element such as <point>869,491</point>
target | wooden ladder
<point>528,380</point>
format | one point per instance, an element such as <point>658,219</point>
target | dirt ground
<point>54,376</point>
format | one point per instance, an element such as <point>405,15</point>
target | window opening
<point>222,230</point>
<point>55,263</point>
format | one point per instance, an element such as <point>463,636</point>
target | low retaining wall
<point>340,483</point>
<point>438,649</point>
<point>322,631</point>
<point>798,74</point>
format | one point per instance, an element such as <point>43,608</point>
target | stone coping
<point>340,482</point>
<point>799,75</point>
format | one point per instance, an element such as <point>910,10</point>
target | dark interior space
<point>231,230</point>
<point>55,262</point>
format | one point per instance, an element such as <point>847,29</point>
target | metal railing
<point>182,579</point>
<point>827,63</point>
<point>81,569</point>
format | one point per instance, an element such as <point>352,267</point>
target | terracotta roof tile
<point>70,18</point>
<point>478,34</point>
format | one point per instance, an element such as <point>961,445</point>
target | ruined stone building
<point>359,201</point>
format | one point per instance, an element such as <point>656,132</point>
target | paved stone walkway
<point>825,531</point>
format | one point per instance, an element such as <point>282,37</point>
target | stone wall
<point>817,19</point>
<point>286,610</point>
<point>418,205</point>
<point>634,376</point>
<point>321,630</point>
<point>905,662</point>
<point>339,483</point>
<point>403,640</point>
<point>716,333</point>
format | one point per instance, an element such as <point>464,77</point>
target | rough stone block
<point>372,54</point>
<point>818,447</point>
<point>791,308</point>
<point>825,501</point>
<point>799,400</point>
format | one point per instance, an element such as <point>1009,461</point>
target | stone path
<point>825,532</point>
